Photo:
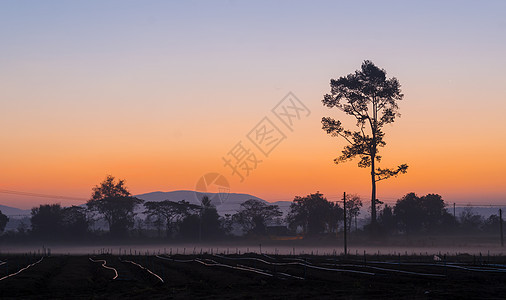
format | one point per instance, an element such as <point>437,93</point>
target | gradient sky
<point>157,92</point>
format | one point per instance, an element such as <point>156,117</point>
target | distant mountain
<point>230,204</point>
<point>226,203</point>
<point>15,215</point>
<point>14,212</point>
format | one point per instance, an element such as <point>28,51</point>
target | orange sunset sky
<point>157,93</point>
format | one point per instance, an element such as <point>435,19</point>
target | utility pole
<point>500,225</point>
<point>200,222</point>
<point>345,226</point>
<point>454,209</point>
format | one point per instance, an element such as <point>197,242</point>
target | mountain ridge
<point>225,203</point>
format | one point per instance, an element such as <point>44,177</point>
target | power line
<point>20,193</point>
<point>388,200</point>
<point>479,205</point>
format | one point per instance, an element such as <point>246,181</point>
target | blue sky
<point>101,87</point>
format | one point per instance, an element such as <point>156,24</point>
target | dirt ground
<point>252,276</point>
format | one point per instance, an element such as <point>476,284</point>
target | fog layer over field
<point>414,247</point>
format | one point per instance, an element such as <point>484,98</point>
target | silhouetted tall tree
<point>3,221</point>
<point>114,201</point>
<point>371,98</point>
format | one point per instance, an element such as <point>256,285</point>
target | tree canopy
<point>254,216</point>
<point>47,220</point>
<point>3,221</point>
<point>210,224</point>
<point>353,205</point>
<point>53,221</point>
<point>315,214</point>
<point>169,213</point>
<point>113,200</point>
<point>421,214</point>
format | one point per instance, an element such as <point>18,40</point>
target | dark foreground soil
<point>252,276</point>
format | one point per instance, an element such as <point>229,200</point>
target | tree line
<point>313,215</point>
<point>112,205</point>
<point>429,215</point>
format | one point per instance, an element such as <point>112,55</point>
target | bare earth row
<point>249,275</point>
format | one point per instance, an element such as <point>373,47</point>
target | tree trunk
<point>374,129</point>
<point>168,229</point>
<point>373,194</point>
